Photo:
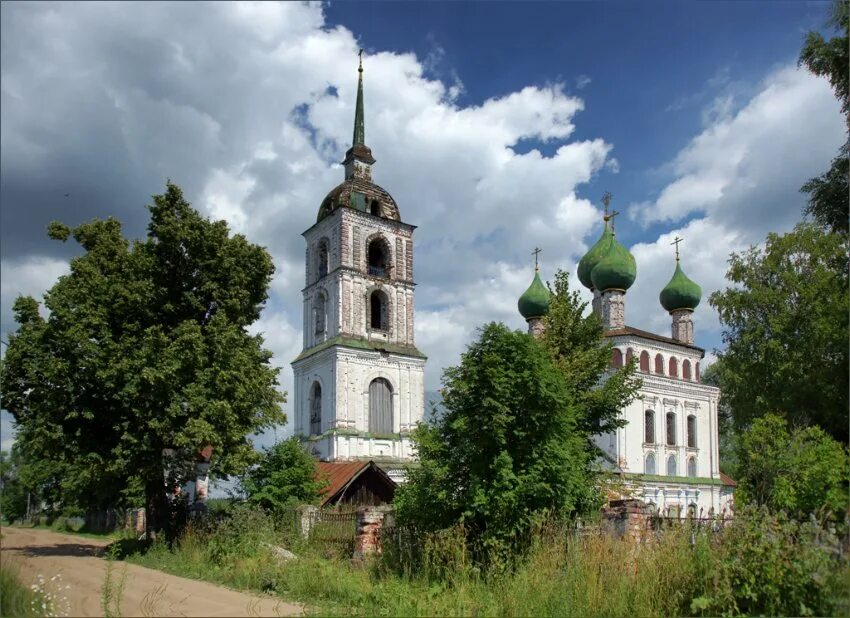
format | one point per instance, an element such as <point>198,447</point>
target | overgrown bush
<point>770,564</point>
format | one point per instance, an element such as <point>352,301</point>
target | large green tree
<point>829,194</point>
<point>505,453</point>
<point>514,443</point>
<point>785,325</point>
<point>800,470</point>
<point>145,357</point>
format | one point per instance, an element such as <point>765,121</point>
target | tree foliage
<point>786,329</point>
<point>579,351</point>
<point>829,194</point>
<point>514,444</point>
<point>506,451</point>
<point>145,353</point>
<point>285,476</point>
<point>800,471</point>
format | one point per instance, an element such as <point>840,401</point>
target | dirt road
<point>146,592</point>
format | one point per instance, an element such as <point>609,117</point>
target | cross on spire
<point>610,218</point>
<point>676,242</point>
<point>536,253</point>
<point>606,199</point>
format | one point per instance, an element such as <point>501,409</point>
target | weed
<point>112,591</point>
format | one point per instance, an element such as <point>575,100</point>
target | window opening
<point>316,409</point>
<point>649,427</point>
<point>671,428</point>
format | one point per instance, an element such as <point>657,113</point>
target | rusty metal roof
<point>728,480</point>
<point>338,475</point>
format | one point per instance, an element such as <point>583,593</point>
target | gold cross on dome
<point>676,242</point>
<point>536,253</point>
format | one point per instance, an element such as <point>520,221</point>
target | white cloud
<point>745,168</point>
<point>27,276</point>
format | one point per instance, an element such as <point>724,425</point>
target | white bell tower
<point>359,381</point>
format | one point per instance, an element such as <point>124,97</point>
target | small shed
<point>358,483</point>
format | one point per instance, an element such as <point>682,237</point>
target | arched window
<point>378,257</point>
<point>644,361</point>
<point>659,364</point>
<point>379,311</point>
<point>696,372</point>
<point>649,427</point>
<point>316,409</point>
<point>380,406</point>
<point>649,467</point>
<point>671,465</point>
<point>630,354</point>
<point>322,259</point>
<point>375,208</point>
<point>616,358</point>
<point>692,431</point>
<point>673,370</point>
<point>686,369</point>
<point>671,429</point>
<point>320,311</point>
<point>692,467</point>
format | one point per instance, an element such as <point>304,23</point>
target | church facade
<point>667,452</point>
<point>359,381</point>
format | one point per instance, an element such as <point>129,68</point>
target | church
<point>359,380</point>
<point>667,452</point>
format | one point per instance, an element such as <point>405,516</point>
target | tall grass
<point>785,568</point>
<point>15,598</point>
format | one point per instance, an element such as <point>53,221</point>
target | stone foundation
<point>370,520</point>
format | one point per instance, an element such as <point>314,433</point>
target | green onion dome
<point>616,270</point>
<point>534,303</point>
<point>680,293</point>
<point>592,257</point>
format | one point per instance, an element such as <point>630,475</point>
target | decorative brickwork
<point>399,259</point>
<point>408,254</point>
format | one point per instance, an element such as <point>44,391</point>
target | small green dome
<point>680,293</point>
<point>534,303</point>
<point>616,270</point>
<point>592,257</point>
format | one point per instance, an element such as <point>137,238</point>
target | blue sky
<point>496,126</point>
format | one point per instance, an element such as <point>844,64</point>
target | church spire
<point>358,160</point>
<point>359,138</point>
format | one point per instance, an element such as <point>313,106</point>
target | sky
<point>497,127</point>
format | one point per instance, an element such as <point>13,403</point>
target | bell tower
<point>359,381</point>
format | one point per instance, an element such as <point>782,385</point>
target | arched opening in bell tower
<point>378,257</point>
<point>322,258</point>
<point>379,318</point>
<point>316,409</point>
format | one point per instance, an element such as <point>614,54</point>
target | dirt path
<point>146,592</point>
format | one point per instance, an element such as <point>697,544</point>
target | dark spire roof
<point>359,138</point>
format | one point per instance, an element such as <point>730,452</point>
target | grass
<point>561,575</point>
<point>16,599</point>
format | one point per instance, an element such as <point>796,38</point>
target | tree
<point>578,349</point>
<point>505,454</point>
<point>145,357</point>
<point>800,471</point>
<point>786,330</point>
<point>829,194</point>
<point>285,476</point>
